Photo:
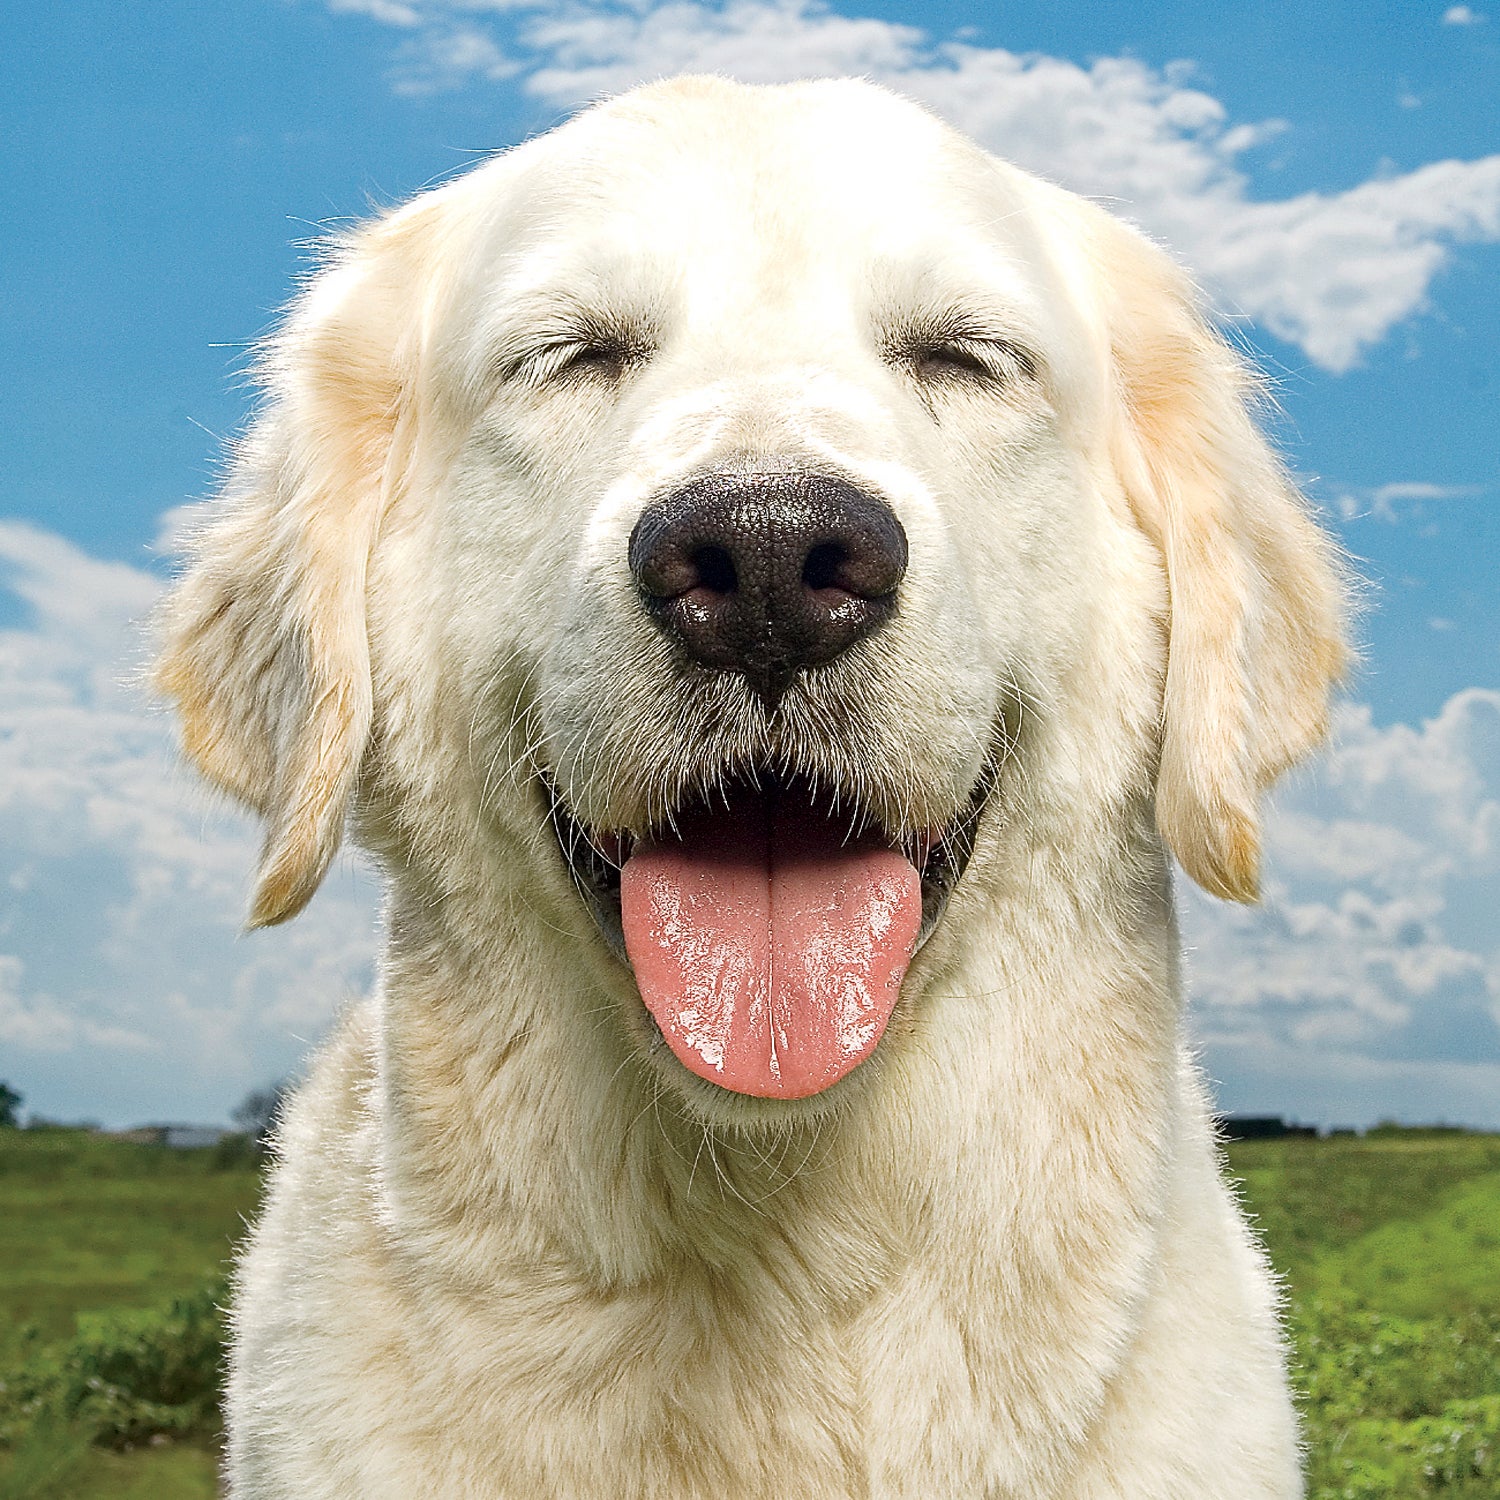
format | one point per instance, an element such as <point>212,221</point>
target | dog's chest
<point>547,1386</point>
<point>685,1393</point>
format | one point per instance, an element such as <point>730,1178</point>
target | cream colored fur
<point>512,1248</point>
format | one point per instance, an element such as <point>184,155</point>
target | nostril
<point>715,569</point>
<point>824,565</point>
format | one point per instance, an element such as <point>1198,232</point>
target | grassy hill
<point>1389,1245</point>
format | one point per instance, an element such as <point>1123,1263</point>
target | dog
<point>768,583</point>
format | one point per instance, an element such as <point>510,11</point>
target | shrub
<point>1397,1406</point>
<point>127,1376</point>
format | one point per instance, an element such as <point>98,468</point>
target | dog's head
<point>746,503</point>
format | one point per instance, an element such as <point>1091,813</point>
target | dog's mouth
<point>768,928</point>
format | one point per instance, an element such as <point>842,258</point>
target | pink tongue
<point>769,951</point>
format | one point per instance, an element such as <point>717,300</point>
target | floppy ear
<point>1257,591</point>
<point>265,649</point>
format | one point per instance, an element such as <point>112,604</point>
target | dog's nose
<point>768,573</point>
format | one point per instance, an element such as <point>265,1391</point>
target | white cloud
<point>387,12</point>
<point>1371,974</point>
<point>1462,15</point>
<point>1330,272</point>
<point>1393,502</point>
<point>430,62</point>
<point>125,988</point>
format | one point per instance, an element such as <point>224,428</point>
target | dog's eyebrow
<point>541,323</point>
<point>962,323</point>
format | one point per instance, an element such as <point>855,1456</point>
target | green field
<point>1390,1246</point>
<point>91,1223</point>
<point>97,1237</point>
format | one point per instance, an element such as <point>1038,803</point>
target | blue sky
<point>1330,172</point>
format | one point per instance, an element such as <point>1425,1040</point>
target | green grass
<point>66,1466</point>
<point>88,1223</point>
<point>185,1472</point>
<point>1389,1247</point>
<point>97,1237</point>
<point>1410,1220</point>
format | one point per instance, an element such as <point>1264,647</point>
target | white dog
<point>768,583</point>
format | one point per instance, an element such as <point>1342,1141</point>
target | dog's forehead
<point>738,188</point>
<point>839,144</point>
<point>815,154</point>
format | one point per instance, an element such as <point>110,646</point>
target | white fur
<point>512,1248</point>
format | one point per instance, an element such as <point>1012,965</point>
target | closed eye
<point>968,358</point>
<point>590,358</point>
<point>586,350</point>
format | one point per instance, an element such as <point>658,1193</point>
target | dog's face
<point>776,390</point>
<point>738,484</point>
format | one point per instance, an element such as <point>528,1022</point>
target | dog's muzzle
<point>769,922</point>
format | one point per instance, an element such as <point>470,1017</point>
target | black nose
<point>768,573</point>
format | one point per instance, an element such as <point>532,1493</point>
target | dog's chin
<point>768,926</point>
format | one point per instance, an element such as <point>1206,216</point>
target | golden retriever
<point>768,583</point>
